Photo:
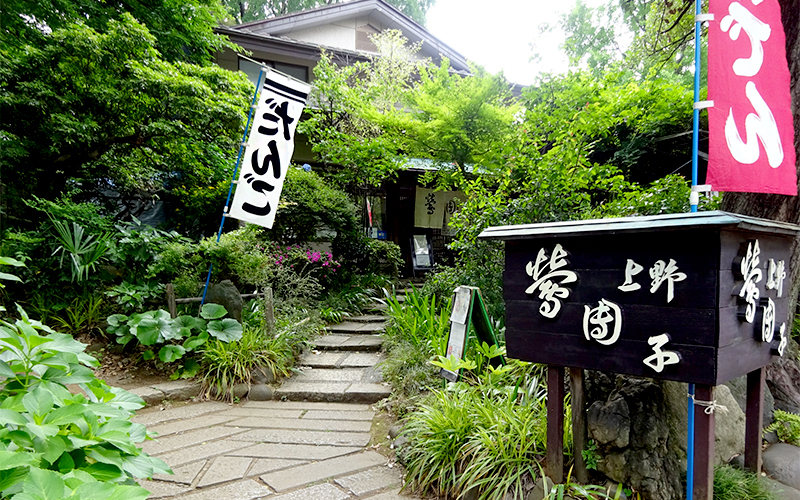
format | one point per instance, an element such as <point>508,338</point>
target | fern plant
<point>787,425</point>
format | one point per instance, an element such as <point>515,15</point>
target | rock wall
<point>639,426</point>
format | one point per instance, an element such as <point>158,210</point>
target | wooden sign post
<point>699,298</point>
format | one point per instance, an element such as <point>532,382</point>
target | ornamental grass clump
<point>736,484</point>
<point>484,433</point>
<point>462,440</point>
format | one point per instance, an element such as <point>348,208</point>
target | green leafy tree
<point>644,38</point>
<point>243,11</point>
<point>97,106</point>
<point>347,127</point>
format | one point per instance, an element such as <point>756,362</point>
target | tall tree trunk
<point>783,376</point>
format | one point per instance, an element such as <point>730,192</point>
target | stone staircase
<point>344,365</point>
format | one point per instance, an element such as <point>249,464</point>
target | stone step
<point>337,359</point>
<point>351,327</point>
<point>370,374</point>
<point>368,318</point>
<point>356,342</point>
<point>334,392</point>
<point>377,307</point>
<point>178,390</point>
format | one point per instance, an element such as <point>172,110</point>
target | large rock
<point>781,462</point>
<point>783,380</point>
<point>633,437</point>
<point>640,428</point>
<point>227,295</point>
<point>738,388</point>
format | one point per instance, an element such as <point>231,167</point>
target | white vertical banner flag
<point>269,149</point>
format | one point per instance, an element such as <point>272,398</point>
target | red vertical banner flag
<point>751,143</point>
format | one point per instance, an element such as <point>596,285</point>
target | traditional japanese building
<point>401,211</point>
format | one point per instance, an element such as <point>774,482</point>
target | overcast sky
<point>497,34</point>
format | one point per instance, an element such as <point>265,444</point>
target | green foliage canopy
<point>243,11</point>
<point>97,105</point>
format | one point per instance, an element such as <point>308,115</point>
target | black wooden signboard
<point>699,298</point>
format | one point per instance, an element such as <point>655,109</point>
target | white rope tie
<point>710,406</point>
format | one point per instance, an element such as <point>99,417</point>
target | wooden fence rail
<point>269,307</point>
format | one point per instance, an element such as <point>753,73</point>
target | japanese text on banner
<point>269,149</point>
<point>751,143</point>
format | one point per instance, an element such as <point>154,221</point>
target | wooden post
<point>269,310</point>
<point>171,304</point>
<point>755,420</point>
<point>555,424</point>
<point>703,445</point>
<point>578,424</point>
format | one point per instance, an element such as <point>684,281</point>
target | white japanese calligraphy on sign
<point>659,359</point>
<point>784,341</point>
<point>751,274</point>
<point>761,124</point>
<point>776,274</point>
<point>631,270</point>
<point>601,316</point>
<point>548,277</point>
<point>665,272</point>
<point>767,320</point>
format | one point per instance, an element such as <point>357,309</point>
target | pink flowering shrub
<point>288,267</point>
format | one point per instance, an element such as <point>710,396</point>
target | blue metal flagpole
<point>233,177</point>
<point>696,110</point>
<point>694,199</point>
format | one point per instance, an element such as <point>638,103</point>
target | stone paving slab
<point>181,412</point>
<point>357,327</point>
<point>369,318</point>
<point>339,415</point>
<point>286,423</point>
<point>307,405</point>
<point>361,359</point>
<point>359,439</point>
<point>241,411</point>
<point>202,452</point>
<point>371,480</point>
<point>264,465</point>
<point>159,489</point>
<point>318,492</point>
<point>313,391</point>
<point>224,469</point>
<point>362,342</point>
<point>240,490</point>
<point>329,375</point>
<point>197,436</point>
<point>390,495</point>
<point>319,359</point>
<point>190,424</point>
<point>367,392</point>
<point>294,451</point>
<point>318,471</point>
<point>185,474</point>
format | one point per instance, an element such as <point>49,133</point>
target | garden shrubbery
<point>98,278</point>
<point>55,444</point>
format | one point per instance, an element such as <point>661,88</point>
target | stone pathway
<point>311,443</point>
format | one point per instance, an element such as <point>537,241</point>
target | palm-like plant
<point>83,250</point>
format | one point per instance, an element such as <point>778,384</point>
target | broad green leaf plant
<point>56,445</point>
<point>176,337</point>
